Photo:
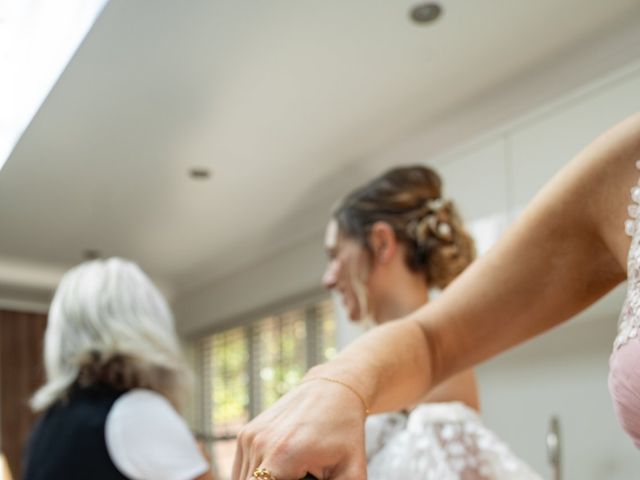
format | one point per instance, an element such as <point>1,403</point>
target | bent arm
<point>461,387</point>
<point>566,250</point>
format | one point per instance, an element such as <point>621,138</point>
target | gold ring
<point>263,474</point>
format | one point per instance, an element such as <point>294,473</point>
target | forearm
<point>388,366</point>
<point>461,387</point>
<point>511,297</point>
<point>564,252</point>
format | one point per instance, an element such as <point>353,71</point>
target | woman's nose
<point>330,276</point>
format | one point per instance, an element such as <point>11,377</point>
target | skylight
<point>37,40</point>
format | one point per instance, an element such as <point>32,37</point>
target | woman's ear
<point>383,242</point>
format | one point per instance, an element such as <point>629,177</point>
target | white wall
<point>279,280</point>
<point>564,374</point>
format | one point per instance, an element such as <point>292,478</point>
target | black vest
<point>68,442</point>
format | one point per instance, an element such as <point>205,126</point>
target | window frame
<point>309,303</point>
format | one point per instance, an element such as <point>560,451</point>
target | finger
<point>247,469</point>
<point>253,467</point>
<point>263,473</point>
<point>243,461</point>
<point>274,473</point>
<point>253,460</point>
<point>237,462</point>
<point>355,469</point>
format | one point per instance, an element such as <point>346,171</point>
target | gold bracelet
<point>367,411</point>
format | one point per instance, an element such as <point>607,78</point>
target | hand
<point>204,451</point>
<point>317,428</point>
<point>208,475</point>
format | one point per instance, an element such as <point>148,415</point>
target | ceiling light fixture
<point>424,13</point>
<point>200,173</point>
<point>91,254</point>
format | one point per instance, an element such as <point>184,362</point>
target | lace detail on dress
<point>629,321</point>
<point>445,441</point>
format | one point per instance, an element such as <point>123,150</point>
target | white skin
<point>392,291</point>
<point>564,252</point>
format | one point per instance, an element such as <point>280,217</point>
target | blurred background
<point>208,139</point>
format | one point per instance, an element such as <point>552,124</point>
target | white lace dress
<point>439,441</point>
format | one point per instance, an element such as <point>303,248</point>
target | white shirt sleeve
<point>148,440</point>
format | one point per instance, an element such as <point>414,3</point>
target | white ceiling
<point>285,100</point>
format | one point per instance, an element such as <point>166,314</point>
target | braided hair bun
<point>409,199</point>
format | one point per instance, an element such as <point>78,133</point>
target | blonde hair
<point>109,324</point>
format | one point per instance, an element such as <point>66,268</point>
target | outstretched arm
<point>461,387</point>
<point>566,250</point>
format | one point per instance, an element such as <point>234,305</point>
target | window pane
<point>281,355</point>
<point>229,392</point>
<point>245,370</point>
<point>325,315</point>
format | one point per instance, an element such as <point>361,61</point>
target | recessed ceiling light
<point>91,254</point>
<point>425,12</point>
<point>200,173</point>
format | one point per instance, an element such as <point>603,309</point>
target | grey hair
<point>109,311</point>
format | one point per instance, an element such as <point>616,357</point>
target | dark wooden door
<point>21,373</point>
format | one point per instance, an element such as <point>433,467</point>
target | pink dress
<point>624,364</point>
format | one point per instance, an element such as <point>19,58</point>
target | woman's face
<point>346,270</point>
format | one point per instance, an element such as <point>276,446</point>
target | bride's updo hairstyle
<point>409,200</point>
